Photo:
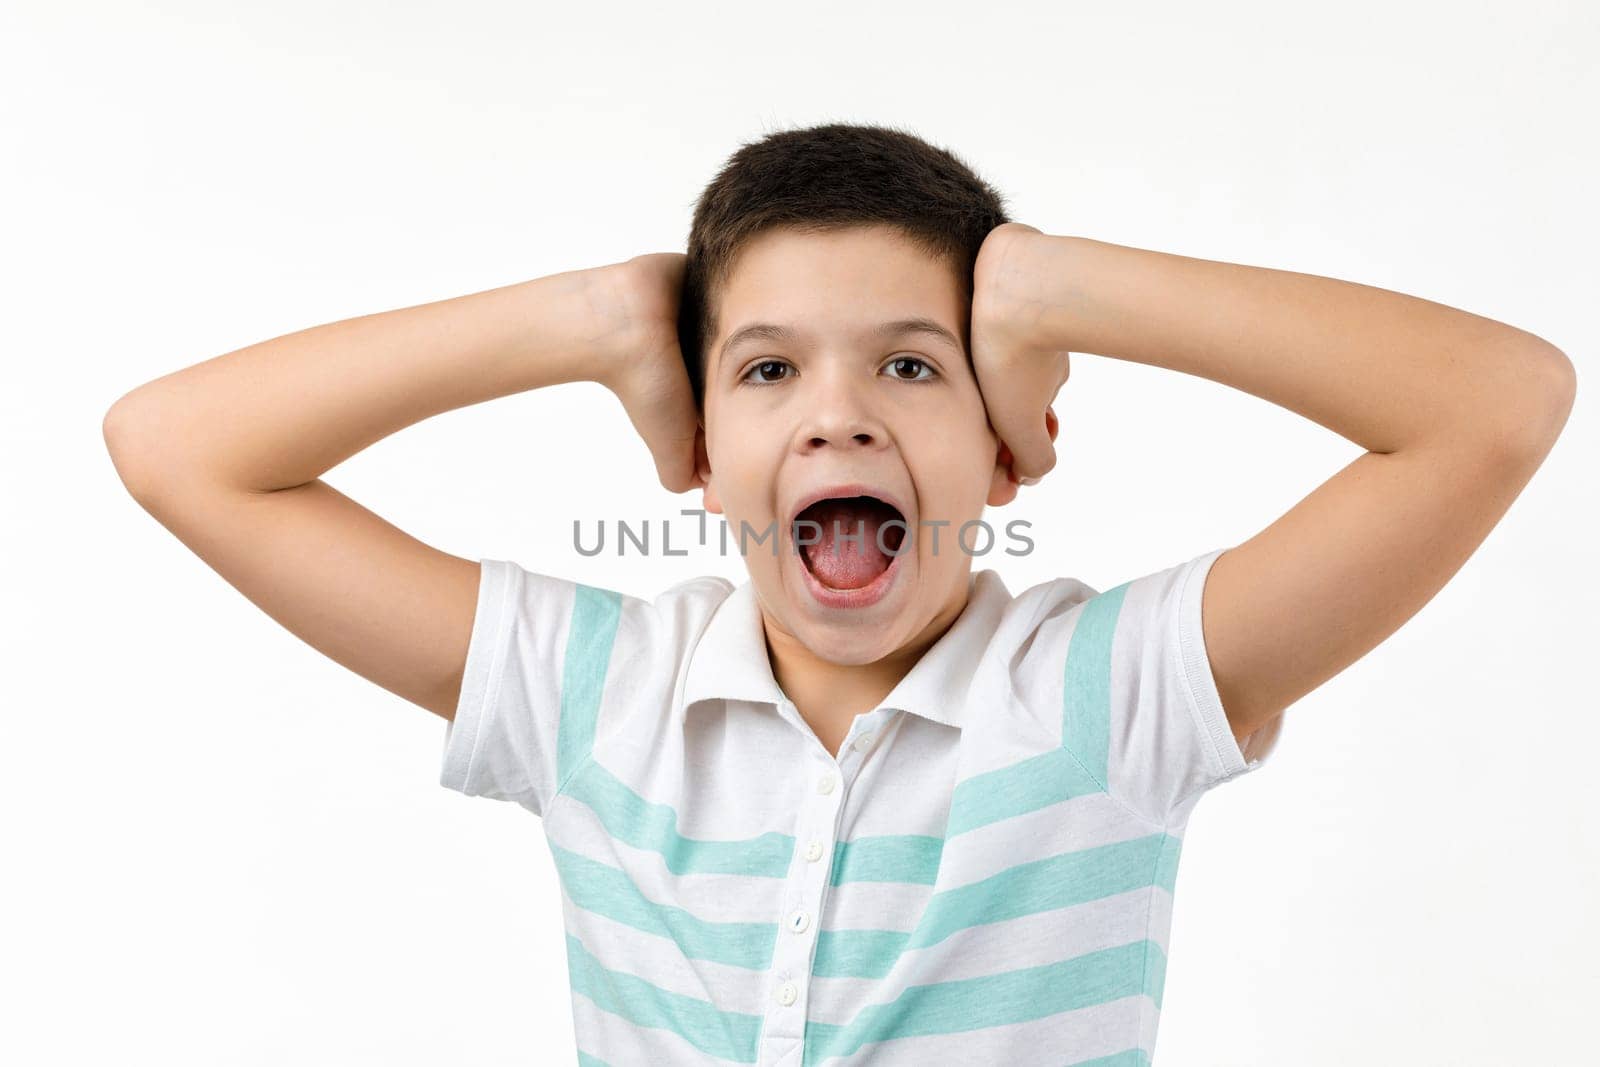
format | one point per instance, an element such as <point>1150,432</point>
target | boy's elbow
<point>129,442</point>
<point>1533,406</point>
<point>1556,387</point>
<point>114,427</point>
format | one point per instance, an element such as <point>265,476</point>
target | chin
<point>851,649</point>
<point>845,636</point>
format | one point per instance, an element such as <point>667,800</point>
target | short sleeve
<point>504,740</point>
<point>1141,708</point>
<point>553,668</point>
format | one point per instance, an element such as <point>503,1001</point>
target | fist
<point>645,367</point>
<point>1019,372</point>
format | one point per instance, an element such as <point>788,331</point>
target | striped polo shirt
<point>984,874</point>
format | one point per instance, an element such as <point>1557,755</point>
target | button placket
<point>801,918</point>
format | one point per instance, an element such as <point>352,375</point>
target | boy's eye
<point>905,369</point>
<point>910,368</point>
<point>768,370</point>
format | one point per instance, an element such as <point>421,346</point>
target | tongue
<point>846,553</point>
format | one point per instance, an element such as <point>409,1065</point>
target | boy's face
<point>838,404</point>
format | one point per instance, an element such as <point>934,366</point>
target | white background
<point>223,848</point>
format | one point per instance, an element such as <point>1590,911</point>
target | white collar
<point>730,660</point>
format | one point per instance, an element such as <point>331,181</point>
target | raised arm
<point>228,454</point>
<point>1456,412</point>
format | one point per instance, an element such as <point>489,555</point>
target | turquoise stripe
<point>644,824</point>
<point>910,858</point>
<point>595,613</point>
<point>1086,711</point>
<point>1155,972</point>
<point>1167,864</point>
<point>1024,786</point>
<point>993,1000</point>
<point>857,953</point>
<point>729,1035</point>
<point>586,1060</point>
<point>1133,1057</point>
<point>1026,889</point>
<point>1079,767</point>
<point>605,890</point>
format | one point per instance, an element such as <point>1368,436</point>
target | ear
<point>702,466</point>
<point>1002,490</point>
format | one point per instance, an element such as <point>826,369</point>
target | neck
<point>830,695</point>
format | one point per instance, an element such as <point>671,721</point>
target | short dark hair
<point>821,179</point>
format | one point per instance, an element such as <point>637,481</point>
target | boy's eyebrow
<point>777,333</point>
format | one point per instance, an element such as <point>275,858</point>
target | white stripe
<point>622,1043</point>
<point>1052,1041</point>
<point>725,898</point>
<point>655,959</point>
<point>1088,821</point>
<point>873,905</point>
<point>994,948</point>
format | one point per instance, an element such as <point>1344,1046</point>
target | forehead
<point>843,283</point>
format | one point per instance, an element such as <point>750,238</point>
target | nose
<point>840,416</point>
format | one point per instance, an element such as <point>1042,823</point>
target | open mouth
<point>849,543</point>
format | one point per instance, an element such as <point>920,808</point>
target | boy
<point>868,806</point>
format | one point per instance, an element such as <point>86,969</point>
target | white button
<point>785,994</point>
<point>825,784</point>
<point>863,742</point>
<point>798,922</point>
<point>814,852</point>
